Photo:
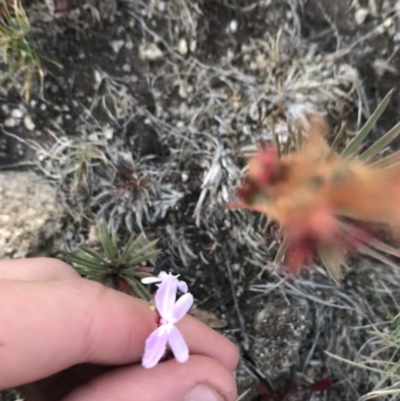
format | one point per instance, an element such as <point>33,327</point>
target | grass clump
<point>121,269</point>
<point>18,49</point>
<point>385,362</point>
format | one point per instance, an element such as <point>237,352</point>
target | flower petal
<point>150,280</point>
<point>165,297</point>
<point>155,347</point>
<point>163,275</point>
<point>182,306</point>
<point>182,286</point>
<point>178,345</point>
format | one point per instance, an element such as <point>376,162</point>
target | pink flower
<point>170,311</point>
<point>182,286</point>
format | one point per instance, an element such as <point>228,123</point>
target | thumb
<point>199,379</point>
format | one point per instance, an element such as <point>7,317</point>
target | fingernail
<point>203,393</point>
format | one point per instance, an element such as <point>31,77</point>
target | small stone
<point>17,113</point>
<point>97,77</point>
<point>233,26</point>
<point>185,177</point>
<point>10,122</point>
<point>361,15</point>
<point>183,47</point>
<point>29,124</point>
<point>5,109</point>
<point>150,52</point>
<point>162,6</point>
<point>193,46</point>
<point>93,237</point>
<point>108,133</point>
<point>116,45</point>
<point>93,137</point>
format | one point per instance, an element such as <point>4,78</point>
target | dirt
<point>181,120</point>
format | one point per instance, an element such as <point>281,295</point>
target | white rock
<point>150,52</point>
<point>185,177</point>
<point>108,133</point>
<point>183,47</point>
<point>29,124</point>
<point>162,6</point>
<point>361,15</point>
<point>17,113</point>
<point>193,46</point>
<point>116,45</point>
<point>10,122</point>
<point>29,214</point>
<point>126,67</point>
<point>233,26</point>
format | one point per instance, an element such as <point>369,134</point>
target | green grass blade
<point>94,254</point>
<point>299,139</point>
<point>354,145</point>
<point>333,262</point>
<point>381,143</point>
<point>139,289</point>
<point>132,244</point>
<point>283,248</point>
<point>143,256</point>
<point>338,138</point>
<point>106,240</point>
<point>83,262</point>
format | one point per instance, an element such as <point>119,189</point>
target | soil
<point>169,91</point>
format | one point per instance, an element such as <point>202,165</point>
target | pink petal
<point>182,286</point>
<point>165,297</point>
<point>155,347</point>
<point>178,345</point>
<point>182,306</point>
<point>150,280</point>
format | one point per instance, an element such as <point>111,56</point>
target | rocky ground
<point>144,116</point>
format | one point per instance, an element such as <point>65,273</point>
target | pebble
<point>150,52</point>
<point>183,47</point>
<point>116,45</point>
<point>108,133</point>
<point>10,122</point>
<point>29,124</point>
<point>5,109</point>
<point>361,15</point>
<point>93,137</point>
<point>162,6</point>
<point>185,177</point>
<point>17,113</point>
<point>233,26</point>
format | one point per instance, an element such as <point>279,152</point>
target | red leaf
<point>321,385</point>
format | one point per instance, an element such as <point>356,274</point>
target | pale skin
<point>66,338</point>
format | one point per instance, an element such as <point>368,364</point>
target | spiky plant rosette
<point>121,268</point>
<point>325,202</point>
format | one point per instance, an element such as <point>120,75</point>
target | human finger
<point>35,269</point>
<point>199,379</point>
<point>50,326</point>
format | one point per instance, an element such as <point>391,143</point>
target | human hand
<point>66,338</point>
